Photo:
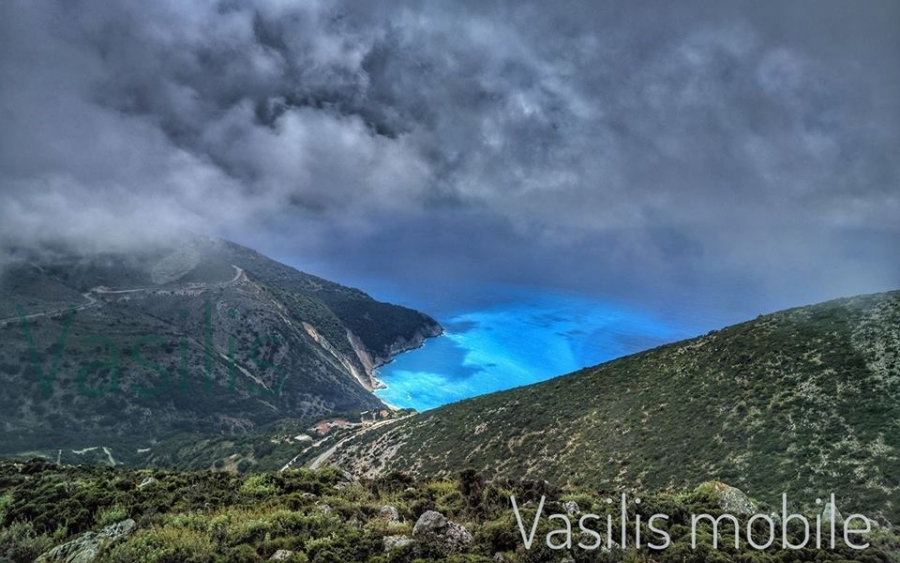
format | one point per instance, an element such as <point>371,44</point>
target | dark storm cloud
<point>714,145</point>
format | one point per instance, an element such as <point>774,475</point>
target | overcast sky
<point>745,155</point>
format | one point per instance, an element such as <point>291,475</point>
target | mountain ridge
<point>201,335</point>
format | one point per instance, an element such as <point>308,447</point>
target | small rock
<point>430,522</point>
<point>86,548</point>
<point>434,526</point>
<point>832,513</point>
<point>147,481</point>
<point>609,547</point>
<point>390,542</point>
<point>325,509</point>
<point>281,555</point>
<point>499,558</point>
<point>389,513</point>
<point>571,507</point>
<point>731,500</point>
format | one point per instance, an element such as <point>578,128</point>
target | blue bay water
<point>526,337</point>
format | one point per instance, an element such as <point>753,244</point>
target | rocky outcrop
<point>571,507</point>
<point>417,340</point>
<point>391,542</point>
<point>730,499</point>
<point>86,548</point>
<point>147,482</point>
<point>371,361</point>
<point>433,526</point>
<point>831,513</point>
<point>389,513</point>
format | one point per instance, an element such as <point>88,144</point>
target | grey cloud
<point>712,144</point>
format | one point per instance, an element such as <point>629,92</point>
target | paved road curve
<point>324,456</point>
<point>239,276</point>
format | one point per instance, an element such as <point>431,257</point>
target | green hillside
<point>105,355</point>
<point>804,401</point>
<point>106,515</point>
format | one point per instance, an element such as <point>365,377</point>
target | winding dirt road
<point>239,276</point>
<point>326,455</point>
<point>91,301</point>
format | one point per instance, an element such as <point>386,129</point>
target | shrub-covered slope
<point>804,401</point>
<point>122,350</point>
<point>155,516</point>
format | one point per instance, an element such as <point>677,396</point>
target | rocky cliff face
<point>404,344</point>
<point>416,340</point>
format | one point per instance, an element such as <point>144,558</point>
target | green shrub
<point>110,515</point>
<point>242,554</point>
<point>258,485</point>
<point>20,543</point>
<point>164,545</point>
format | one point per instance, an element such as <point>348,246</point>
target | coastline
<point>379,384</point>
<point>518,343</point>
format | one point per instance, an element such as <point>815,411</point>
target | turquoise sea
<point>526,337</point>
